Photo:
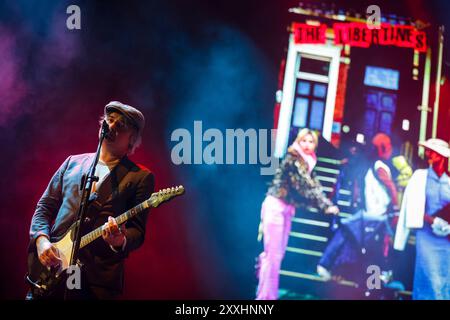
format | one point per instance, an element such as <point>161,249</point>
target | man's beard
<point>111,136</point>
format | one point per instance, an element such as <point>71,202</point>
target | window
<point>381,77</point>
<point>309,104</point>
<point>303,88</point>
<point>300,112</point>
<point>311,73</point>
<point>386,119</point>
<point>320,90</point>
<point>317,110</point>
<point>312,64</point>
<point>379,111</point>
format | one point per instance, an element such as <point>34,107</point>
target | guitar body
<point>49,283</point>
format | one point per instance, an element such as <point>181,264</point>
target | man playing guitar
<point>122,185</point>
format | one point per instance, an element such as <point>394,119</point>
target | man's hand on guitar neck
<point>47,253</point>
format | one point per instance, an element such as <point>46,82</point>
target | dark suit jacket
<point>126,185</point>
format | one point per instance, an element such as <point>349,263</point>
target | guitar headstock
<point>164,195</point>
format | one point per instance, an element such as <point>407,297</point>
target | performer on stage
<point>425,207</point>
<point>293,187</point>
<point>122,185</point>
<point>378,193</point>
<point>351,176</point>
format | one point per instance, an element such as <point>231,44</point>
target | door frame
<point>330,52</point>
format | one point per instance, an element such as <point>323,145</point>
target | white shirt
<point>376,196</point>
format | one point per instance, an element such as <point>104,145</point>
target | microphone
<point>105,128</point>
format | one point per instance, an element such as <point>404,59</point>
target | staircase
<point>310,233</point>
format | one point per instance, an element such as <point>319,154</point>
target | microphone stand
<point>86,187</point>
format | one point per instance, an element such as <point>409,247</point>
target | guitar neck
<point>97,233</point>
<point>154,201</point>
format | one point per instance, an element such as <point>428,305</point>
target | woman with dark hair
<point>293,186</point>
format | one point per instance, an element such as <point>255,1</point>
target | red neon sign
<point>305,33</point>
<point>359,35</point>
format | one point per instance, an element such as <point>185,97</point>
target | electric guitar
<point>46,283</point>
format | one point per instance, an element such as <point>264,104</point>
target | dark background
<point>177,61</point>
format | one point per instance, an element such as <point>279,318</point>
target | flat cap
<point>133,115</point>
